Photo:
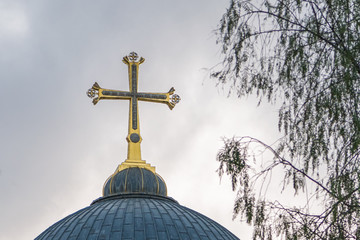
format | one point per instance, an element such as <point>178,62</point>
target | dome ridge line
<point>133,195</point>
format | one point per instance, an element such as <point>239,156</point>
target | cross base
<point>135,163</point>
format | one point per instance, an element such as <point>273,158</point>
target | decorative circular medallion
<point>133,56</point>
<point>175,99</point>
<point>134,137</point>
<point>91,93</point>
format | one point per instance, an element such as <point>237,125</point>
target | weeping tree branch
<point>304,53</point>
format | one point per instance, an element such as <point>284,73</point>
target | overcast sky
<point>57,149</point>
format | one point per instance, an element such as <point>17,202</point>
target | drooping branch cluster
<point>303,56</point>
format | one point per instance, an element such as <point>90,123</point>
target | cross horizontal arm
<point>167,98</point>
<point>98,93</point>
<point>149,96</point>
<point>140,96</point>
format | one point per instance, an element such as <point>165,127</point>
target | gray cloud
<point>57,149</point>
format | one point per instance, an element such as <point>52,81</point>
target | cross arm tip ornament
<point>133,56</point>
<point>173,98</point>
<point>94,93</point>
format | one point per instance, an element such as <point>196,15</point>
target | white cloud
<point>14,22</point>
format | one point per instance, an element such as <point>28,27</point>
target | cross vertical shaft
<point>134,138</point>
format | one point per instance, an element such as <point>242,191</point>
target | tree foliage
<point>304,57</point>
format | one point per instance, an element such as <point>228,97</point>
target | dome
<point>136,216</point>
<point>135,180</point>
<point>135,203</point>
<point>135,206</point>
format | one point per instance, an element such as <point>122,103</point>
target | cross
<point>133,138</point>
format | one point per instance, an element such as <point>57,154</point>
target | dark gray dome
<point>136,216</point>
<point>135,180</point>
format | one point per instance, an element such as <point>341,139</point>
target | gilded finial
<point>94,93</point>
<point>132,57</point>
<point>134,139</point>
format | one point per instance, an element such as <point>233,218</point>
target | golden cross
<point>134,139</point>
